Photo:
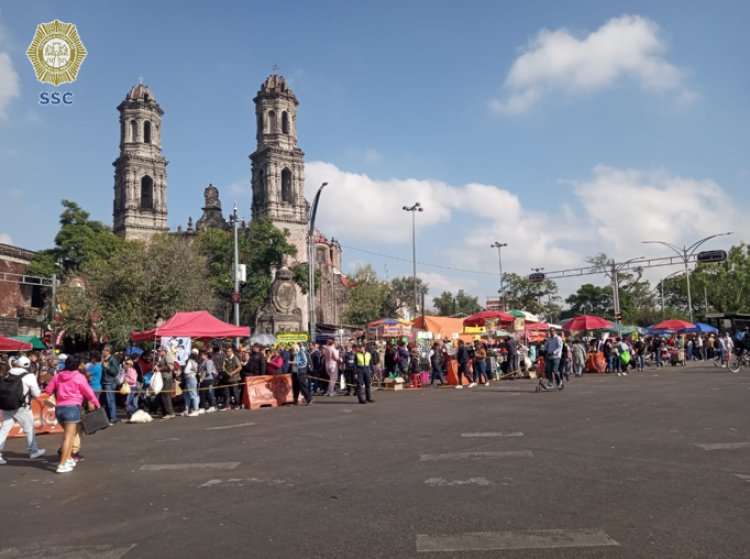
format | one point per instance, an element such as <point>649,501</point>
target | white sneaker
<point>71,463</point>
<point>184,414</point>
<point>472,385</point>
<point>201,411</point>
<point>619,374</point>
<point>624,374</point>
<point>64,469</point>
<point>37,454</point>
<point>487,383</point>
<point>212,409</point>
<point>193,414</point>
<point>3,462</point>
<point>459,386</point>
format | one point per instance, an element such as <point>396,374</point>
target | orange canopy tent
<point>440,326</point>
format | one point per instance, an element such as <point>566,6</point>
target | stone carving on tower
<point>212,217</point>
<point>140,205</point>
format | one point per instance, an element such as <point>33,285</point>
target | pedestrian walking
<point>110,372</point>
<point>70,389</point>
<point>300,364</point>
<point>190,379</point>
<point>17,389</point>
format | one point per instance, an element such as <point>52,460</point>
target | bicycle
<point>738,361</point>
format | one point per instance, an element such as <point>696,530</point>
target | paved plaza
<point>656,464</point>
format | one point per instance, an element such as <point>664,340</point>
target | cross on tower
<point>275,69</point>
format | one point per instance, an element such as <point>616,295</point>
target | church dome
<point>140,92</point>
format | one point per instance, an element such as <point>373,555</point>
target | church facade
<point>277,182</point>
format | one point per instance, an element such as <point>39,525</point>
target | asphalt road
<point>656,464</point>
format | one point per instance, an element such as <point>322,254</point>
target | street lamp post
<point>538,297</point>
<point>613,275</point>
<point>499,246</point>
<point>417,207</point>
<point>235,267</point>
<point>685,253</point>
<point>310,265</point>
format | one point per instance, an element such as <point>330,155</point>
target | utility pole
<point>499,246</point>
<point>236,268</point>
<point>417,207</point>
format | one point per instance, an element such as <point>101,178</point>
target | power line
<point>419,262</point>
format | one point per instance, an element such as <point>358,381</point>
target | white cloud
<point>613,211</point>
<point>628,46</point>
<point>627,206</point>
<point>10,85</point>
<point>6,239</point>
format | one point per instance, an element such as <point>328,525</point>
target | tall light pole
<point>499,246</point>
<point>236,267</point>
<point>538,297</point>
<point>311,264</point>
<point>417,207</point>
<point>685,253</point>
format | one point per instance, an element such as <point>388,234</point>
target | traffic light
<point>536,277</point>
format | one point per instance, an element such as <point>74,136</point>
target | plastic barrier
<point>267,390</point>
<point>44,419</point>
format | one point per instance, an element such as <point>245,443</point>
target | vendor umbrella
<point>8,344</point>
<point>525,315</point>
<point>672,324</point>
<point>701,328</point>
<point>480,318</point>
<point>586,322</point>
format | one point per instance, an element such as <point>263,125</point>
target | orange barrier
<point>267,390</point>
<point>595,363</point>
<point>452,374</point>
<point>44,419</point>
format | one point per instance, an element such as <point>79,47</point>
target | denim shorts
<point>68,414</point>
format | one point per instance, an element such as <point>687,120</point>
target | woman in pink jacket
<point>70,388</point>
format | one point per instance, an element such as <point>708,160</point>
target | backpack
<point>11,392</point>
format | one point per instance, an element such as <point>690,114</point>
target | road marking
<point>442,482</point>
<point>241,482</point>
<point>479,435</point>
<point>67,552</point>
<point>187,466</point>
<point>723,446</point>
<point>471,455</point>
<point>527,539</point>
<point>229,426</point>
<point>743,477</point>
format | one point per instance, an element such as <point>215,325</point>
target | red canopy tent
<point>198,324</point>
<point>7,344</point>
<point>585,322</point>
<point>480,318</point>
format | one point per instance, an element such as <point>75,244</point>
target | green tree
<point>590,299</point>
<point>520,293</point>
<point>80,240</point>
<point>132,288</point>
<point>445,304</point>
<point>369,298</point>
<point>637,298</point>
<point>402,291</point>
<point>262,248</point>
<point>466,304</point>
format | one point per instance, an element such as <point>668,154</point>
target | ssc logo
<point>56,52</point>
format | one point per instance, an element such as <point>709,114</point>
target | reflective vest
<point>363,359</point>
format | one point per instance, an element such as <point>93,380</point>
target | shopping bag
<point>157,383</point>
<point>125,389</point>
<point>95,421</point>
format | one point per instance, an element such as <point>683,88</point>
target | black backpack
<point>11,392</point>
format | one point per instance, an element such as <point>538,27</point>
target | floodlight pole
<point>417,207</point>
<point>499,246</point>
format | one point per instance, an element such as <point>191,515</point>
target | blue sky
<point>561,128</point>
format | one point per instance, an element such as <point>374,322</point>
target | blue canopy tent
<point>700,328</point>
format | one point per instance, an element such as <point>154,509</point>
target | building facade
<point>22,300</point>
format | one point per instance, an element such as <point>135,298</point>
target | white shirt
<point>30,385</point>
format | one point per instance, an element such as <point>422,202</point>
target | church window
<point>260,122</point>
<point>147,132</point>
<point>272,122</point>
<point>286,186</point>
<point>321,258</point>
<point>133,130</point>
<point>285,122</point>
<point>147,193</point>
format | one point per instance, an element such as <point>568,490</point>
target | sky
<point>563,129</point>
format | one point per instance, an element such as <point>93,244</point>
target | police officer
<point>363,369</point>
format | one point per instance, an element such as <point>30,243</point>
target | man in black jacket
<point>462,358</point>
<point>110,371</point>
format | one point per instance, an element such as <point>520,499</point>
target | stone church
<point>278,194</point>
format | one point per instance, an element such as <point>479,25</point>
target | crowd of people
<point>211,378</point>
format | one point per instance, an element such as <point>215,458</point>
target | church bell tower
<point>140,206</point>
